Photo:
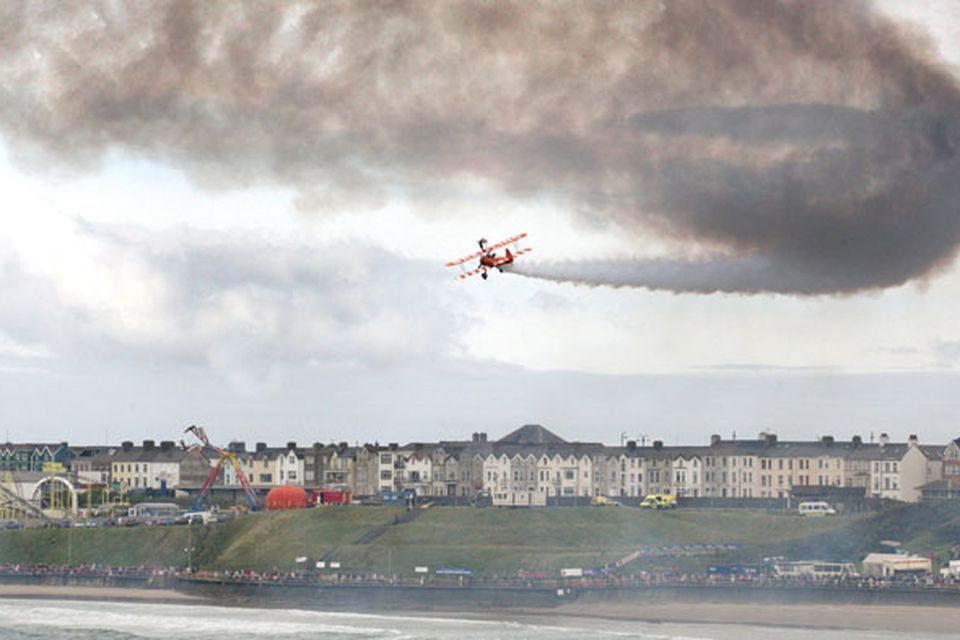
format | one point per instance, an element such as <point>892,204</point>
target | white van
<point>816,509</point>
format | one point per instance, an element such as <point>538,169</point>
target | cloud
<point>236,303</point>
<point>817,141</point>
<point>947,352</point>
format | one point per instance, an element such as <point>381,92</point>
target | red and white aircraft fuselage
<point>489,258</point>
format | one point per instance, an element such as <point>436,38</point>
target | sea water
<point>74,620</point>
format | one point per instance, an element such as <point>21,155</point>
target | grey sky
<point>240,218</point>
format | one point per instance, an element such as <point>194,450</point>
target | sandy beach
<point>113,594</point>
<point>896,618</point>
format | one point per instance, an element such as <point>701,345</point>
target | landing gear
<point>484,275</point>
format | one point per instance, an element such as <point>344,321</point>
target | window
<point>568,474</point>
<point>386,474</point>
<point>386,458</point>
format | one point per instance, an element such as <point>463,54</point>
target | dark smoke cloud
<point>804,147</point>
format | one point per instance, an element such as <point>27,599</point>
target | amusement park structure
<point>13,506</point>
<point>225,456</point>
<point>48,497</point>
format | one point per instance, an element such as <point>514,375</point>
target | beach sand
<point>896,618</point>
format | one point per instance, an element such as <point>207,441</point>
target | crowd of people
<point>598,580</point>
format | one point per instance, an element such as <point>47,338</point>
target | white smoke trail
<point>749,274</point>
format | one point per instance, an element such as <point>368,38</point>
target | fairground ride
<point>225,456</point>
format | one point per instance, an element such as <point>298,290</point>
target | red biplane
<point>489,258</point>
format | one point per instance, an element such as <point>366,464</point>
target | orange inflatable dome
<point>286,497</point>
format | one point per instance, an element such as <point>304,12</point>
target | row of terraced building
<point>533,466</point>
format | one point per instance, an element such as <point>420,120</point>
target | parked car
<point>659,501</point>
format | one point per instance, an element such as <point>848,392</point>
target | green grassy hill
<point>491,541</point>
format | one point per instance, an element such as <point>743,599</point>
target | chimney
<point>342,445</point>
<point>631,445</point>
<point>148,445</point>
<point>393,446</point>
<point>291,445</point>
<point>857,441</point>
<point>166,445</point>
<point>237,446</point>
<point>715,439</point>
<point>884,439</point>
<point>658,445</point>
<point>771,439</point>
<point>261,446</point>
<point>913,439</point>
<point>762,437</point>
<point>126,445</point>
<point>475,437</point>
<point>827,440</point>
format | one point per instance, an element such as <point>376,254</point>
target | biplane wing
<point>473,272</point>
<point>508,241</point>
<point>472,256</point>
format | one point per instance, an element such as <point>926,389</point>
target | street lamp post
<point>189,548</point>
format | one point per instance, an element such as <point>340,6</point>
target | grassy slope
<point>264,540</point>
<point>160,546</point>
<point>502,540</point>
<point>490,540</point>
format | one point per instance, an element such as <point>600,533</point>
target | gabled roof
<point>932,451</point>
<point>531,434</point>
<point>889,451</point>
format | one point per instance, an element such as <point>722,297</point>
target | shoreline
<point>851,617</point>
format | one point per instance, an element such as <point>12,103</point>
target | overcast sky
<point>240,219</point>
